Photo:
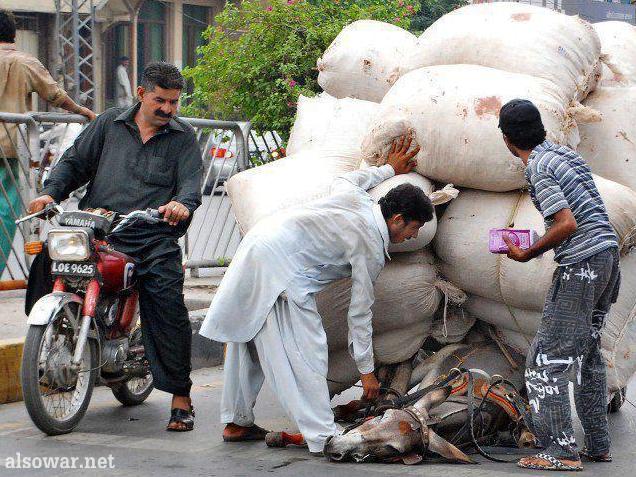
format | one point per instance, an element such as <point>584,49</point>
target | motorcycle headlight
<point>71,246</point>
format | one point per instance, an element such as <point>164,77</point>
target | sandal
<point>595,458</point>
<point>554,464</point>
<point>252,433</point>
<point>181,416</point>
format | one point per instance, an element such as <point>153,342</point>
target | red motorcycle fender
<point>49,305</point>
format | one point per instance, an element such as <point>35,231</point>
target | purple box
<point>522,238</point>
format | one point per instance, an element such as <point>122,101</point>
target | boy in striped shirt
<point>585,284</point>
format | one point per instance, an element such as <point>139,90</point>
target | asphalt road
<point>138,444</point>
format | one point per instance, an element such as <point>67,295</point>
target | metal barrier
<point>40,140</point>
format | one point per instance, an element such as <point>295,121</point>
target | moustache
<point>161,114</point>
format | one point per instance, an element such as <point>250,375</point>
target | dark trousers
<point>568,346</point>
<point>165,325</point>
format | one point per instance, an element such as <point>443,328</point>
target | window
<point>116,45</point>
<point>150,34</point>
<point>196,19</point>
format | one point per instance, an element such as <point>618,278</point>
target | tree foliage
<point>258,59</point>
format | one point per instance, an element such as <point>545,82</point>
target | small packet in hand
<point>522,238</point>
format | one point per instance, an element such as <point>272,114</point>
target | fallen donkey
<point>437,419</point>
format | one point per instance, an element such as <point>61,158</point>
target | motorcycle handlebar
<point>50,210</point>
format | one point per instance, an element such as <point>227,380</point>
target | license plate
<point>73,269</point>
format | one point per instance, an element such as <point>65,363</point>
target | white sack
<point>289,182</point>
<point>518,38</point>
<point>453,113</point>
<point>427,231</point>
<point>329,124</point>
<point>365,59</point>
<point>609,146</point>
<point>461,242</point>
<point>618,45</point>
<point>516,327</point>
<point>407,294</point>
<point>451,325</point>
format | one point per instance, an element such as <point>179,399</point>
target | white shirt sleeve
<point>360,314</point>
<point>364,179</point>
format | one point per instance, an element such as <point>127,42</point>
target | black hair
<point>408,200</point>
<point>520,121</point>
<point>7,26</point>
<point>162,74</point>
<point>123,58</point>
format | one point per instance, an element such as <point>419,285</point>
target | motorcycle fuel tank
<point>118,271</point>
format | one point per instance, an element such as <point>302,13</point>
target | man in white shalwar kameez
<point>265,307</point>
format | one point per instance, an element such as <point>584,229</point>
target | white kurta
<point>300,251</point>
<point>267,298</point>
<point>124,91</point>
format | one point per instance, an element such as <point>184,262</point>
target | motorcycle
<point>85,332</point>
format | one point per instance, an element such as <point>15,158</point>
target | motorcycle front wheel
<point>56,393</point>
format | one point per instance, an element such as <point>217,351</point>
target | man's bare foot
<point>235,433</point>
<point>184,403</point>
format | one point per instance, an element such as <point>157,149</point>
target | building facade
<point>143,30</point>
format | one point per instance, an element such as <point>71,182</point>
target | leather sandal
<point>552,464</point>
<point>181,416</point>
<point>252,433</point>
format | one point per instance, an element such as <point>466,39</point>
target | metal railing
<point>40,139</point>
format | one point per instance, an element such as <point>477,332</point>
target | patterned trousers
<point>567,346</point>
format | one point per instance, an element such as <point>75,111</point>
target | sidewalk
<point>198,294</point>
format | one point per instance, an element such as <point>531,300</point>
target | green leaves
<point>258,59</point>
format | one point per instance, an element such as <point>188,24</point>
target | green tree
<point>431,10</point>
<point>258,59</point>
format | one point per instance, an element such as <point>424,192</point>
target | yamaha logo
<point>78,222</point>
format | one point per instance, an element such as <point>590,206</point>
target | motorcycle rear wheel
<point>134,391</point>
<point>56,398</point>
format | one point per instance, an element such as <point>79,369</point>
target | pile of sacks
<point>445,89</point>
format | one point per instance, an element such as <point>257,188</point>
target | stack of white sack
<point>407,294</point>
<point>365,59</point>
<point>308,173</point>
<point>511,295</point>
<point>324,143</point>
<point>453,113</point>
<point>618,46</point>
<point>329,124</point>
<point>609,146</point>
<point>517,38</point>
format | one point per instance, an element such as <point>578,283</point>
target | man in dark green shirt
<point>138,158</point>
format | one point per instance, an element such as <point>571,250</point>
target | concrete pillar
<point>175,34</point>
<point>133,50</point>
<point>98,67</point>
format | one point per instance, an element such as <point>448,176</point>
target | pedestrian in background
<point>124,89</point>
<point>20,76</point>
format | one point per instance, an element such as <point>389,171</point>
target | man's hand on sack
<point>174,212</point>
<point>36,205</point>
<point>400,158</point>
<point>515,253</point>
<point>370,387</point>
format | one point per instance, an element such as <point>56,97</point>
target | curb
<point>205,354</point>
<point>10,359</point>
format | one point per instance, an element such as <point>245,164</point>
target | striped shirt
<point>559,179</point>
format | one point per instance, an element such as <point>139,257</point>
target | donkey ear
<point>435,398</point>
<point>411,459</point>
<point>446,449</point>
